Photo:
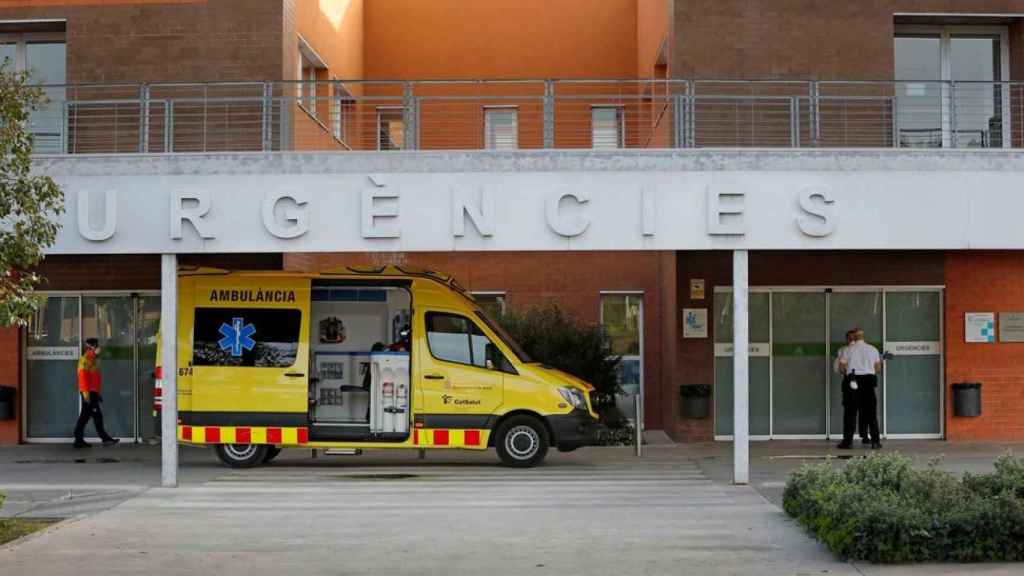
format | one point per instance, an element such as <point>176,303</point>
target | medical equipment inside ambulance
<point>360,367</point>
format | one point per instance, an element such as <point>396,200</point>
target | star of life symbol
<point>236,336</point>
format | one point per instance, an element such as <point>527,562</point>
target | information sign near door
<point>980,327</point>
<point>1011,326</point>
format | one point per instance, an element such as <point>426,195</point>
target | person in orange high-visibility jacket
<point>89,392</point>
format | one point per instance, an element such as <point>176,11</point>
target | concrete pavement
<point>595,511</point>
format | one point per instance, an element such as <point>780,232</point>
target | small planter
<point>967,399</point>
<point>695,401</point>
<point>7,398</point>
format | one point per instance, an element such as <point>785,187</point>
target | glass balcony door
<point>948,91</point>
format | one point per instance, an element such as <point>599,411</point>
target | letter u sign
<point>109,227</point>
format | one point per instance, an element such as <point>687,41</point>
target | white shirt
<point>861,358</point>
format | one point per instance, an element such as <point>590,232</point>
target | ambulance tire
<point>272,452</point>
<point>241,455</point>
<point>521,441</point>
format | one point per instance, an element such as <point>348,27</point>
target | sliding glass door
<point>126,326</point>
<point>795,335</point>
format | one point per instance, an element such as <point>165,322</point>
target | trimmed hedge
<point>880,509</point>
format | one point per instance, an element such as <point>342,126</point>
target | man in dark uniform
<point>851,401</point>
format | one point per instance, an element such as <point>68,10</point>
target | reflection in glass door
<point>110,319</point>
<point>914,338</point>
<point>147,322</point>
<point>759,329</point>
<point>799,364</point>
<point>53,344</point>
<point>849,310</point>
<point>622,320</point>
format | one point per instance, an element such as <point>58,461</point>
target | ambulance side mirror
<point>490,353</point>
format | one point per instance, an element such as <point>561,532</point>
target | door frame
<point>827,289</point>
<point>81,295</point>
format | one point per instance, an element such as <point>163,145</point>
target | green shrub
<point>880,509</point>
<point>554,338</point>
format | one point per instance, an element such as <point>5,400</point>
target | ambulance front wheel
<point>522,442</point>
<point>241,455</point>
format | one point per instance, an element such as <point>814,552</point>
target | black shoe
<point>82,445</point>
<point>111,441</point>
<point>844,446</point>
<point>876,446</point>
<point>865,441</point>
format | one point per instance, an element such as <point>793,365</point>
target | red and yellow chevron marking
<point>450,438</point>
<point>242,435</point>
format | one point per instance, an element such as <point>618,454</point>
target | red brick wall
<point>175,41</point>
<point>10,375</point>
<point>985,282</point>
<point>572,279</point>
<point>802,39</point>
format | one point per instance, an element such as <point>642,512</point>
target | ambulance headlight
<point>574,396</point>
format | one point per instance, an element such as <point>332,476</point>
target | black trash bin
<point>6,403</point>
<point>695,401</point>
<point>967,399</point>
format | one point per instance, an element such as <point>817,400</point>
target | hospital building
<point>641,163</point>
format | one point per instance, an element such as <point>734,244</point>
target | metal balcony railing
<point>526,114</point>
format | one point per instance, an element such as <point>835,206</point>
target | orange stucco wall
<point>334,29</point>
<point>651,31</point>
<point>500,39</point>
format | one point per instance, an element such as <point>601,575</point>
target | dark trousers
<point>90,409</point>
<point>868,408</point>
<point>851,405</point>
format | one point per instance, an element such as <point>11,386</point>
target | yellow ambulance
<point>361,358</point>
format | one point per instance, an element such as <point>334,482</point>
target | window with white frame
<point>501,128</point>
<point>492,303</point>
<point>311,68</point>
<point>44,56</point>
<point>307,84</point>
<point>607,127</point>
<point>341,104</point>
<point>390,129</point>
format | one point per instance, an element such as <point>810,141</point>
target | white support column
<point>741,370</point>
<point>169,355</point>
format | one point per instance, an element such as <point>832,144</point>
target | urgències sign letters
<point>533,211</point>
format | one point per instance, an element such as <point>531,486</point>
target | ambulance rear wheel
<point>522,442</point>
<point>241,455</point>
<point>272,452</point>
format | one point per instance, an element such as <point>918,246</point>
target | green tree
<point>29,203</point>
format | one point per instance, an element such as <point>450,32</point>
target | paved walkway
<point>595,511</point>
